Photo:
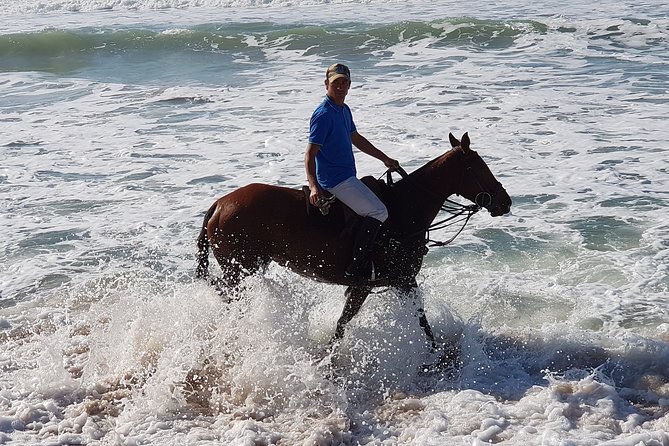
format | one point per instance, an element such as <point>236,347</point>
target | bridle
<point>459,213</point>
<point>484,198</point>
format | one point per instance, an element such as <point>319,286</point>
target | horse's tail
<point>202,270</point>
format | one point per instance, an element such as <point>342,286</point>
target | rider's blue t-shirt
<point>331,128</point>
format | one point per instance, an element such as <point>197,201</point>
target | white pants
<point>354,194</point>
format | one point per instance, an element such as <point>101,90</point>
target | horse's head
<point>478,184</point>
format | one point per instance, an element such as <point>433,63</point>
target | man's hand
<point>392,164</point>
<point>316,195</point>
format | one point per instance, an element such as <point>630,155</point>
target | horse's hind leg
<point>355,297</point>
<point>233,271</point>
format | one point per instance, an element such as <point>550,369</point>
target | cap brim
<point>337,76</point>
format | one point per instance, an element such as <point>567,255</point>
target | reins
<point>458,211</point>
<point>455,212</point>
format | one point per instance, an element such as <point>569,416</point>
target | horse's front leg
<point>449,355</point>
<point>355,297</point>
<point>411,290</point>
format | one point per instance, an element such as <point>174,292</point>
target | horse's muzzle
<point>498,211</point>
<point>498,203</point>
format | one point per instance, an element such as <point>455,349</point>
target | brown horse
<point>259,223</point>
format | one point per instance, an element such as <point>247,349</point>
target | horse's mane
<point>440,158</point>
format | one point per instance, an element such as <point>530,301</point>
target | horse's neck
<point>425,190</point>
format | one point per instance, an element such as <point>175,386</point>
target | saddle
<point>390,254</point>
<point>378,186</point>
<point>333,214</point>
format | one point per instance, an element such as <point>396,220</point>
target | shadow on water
<point>507,366</point>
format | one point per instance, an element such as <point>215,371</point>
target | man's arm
<point>310,167</point>
<point>367,147</point>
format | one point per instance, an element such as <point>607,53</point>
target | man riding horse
<point>330,165</point>
<point>261,223</point>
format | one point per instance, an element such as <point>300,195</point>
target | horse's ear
<point>454,140</point>
<point>465,141</point>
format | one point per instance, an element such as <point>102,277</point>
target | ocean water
<point>121,121</point>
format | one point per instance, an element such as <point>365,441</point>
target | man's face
<point>338,89</point>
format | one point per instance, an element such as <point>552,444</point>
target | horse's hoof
<point>447,365</point>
